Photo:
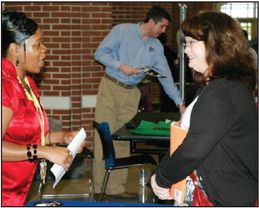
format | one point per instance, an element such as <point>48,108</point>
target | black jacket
<point>221,144</point>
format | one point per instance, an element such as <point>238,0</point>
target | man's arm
<point>107,49</point>
<point>168,83</point>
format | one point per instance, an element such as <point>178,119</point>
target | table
<point>160,144</point>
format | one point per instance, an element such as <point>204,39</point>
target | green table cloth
<point>150,128</point>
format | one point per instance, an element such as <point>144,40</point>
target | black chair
<point>113,163</point>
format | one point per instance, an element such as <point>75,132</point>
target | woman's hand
<point>83,145</point>
<point>161,193</point>
<point>68,137</point>
<point>58,155</point>
<point>182,108</point>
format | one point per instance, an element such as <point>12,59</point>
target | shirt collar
<point>138,29</point>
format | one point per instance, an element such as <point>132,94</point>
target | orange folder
<point>177,135</point>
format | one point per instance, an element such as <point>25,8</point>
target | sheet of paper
<point>58,170</point>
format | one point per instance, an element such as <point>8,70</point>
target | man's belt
<point>125,86</point>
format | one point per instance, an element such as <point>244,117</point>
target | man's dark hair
<point>157,14</point>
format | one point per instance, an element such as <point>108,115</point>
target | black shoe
<point>104,199</point>
<point>124,195</point>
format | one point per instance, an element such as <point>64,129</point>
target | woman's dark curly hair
<point>227,51</point>
<point>16,28</point>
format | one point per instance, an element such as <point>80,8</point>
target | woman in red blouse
<point>24,121</point>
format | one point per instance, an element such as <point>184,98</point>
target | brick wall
<point>134,12</point>
<point>72,31</point>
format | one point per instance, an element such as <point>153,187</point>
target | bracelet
<point>32,157</point>
<point>49,137</point>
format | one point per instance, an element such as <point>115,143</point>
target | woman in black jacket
<point>222,140</point>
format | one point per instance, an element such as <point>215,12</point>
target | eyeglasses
<point>190,44</point>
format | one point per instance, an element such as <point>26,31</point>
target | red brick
<point>41,14</point>
<point>50,21</point>
<point>32,8</point>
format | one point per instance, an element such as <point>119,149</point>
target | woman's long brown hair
<point>226,46</point>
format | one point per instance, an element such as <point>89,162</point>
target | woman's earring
<point>17,63</point>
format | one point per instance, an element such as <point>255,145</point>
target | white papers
<point>58,170</point>
<point>149,70</point>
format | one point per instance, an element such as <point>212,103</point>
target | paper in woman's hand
<point>74,145</point>
<point>149,70</point>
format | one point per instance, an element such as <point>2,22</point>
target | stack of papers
<point>151,71</point>
<point>58,170</point>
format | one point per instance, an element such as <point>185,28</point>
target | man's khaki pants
<point>116,106</point>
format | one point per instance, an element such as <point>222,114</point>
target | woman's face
<point>196,52</point>
<point>34,54</point>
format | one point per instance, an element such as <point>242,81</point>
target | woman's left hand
<point>68,137</point>
<point>161,193</point>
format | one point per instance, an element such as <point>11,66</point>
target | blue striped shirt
<point>124,45</point>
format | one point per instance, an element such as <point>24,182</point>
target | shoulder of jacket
<point>220,82</point>
<point>217,86</point>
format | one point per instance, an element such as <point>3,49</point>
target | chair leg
<point>91,177</point>
<point>104,185</point>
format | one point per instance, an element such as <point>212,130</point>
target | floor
<point>79,189</point>
<point>77,185</point>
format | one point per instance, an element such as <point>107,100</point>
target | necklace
<point>27,87</point>
<point>31,96</point>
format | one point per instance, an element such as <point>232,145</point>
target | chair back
<point>104,132</point>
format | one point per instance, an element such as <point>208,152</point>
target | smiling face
<point>32,59</point>
<point>158,28</point>
<point>196,53</point>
